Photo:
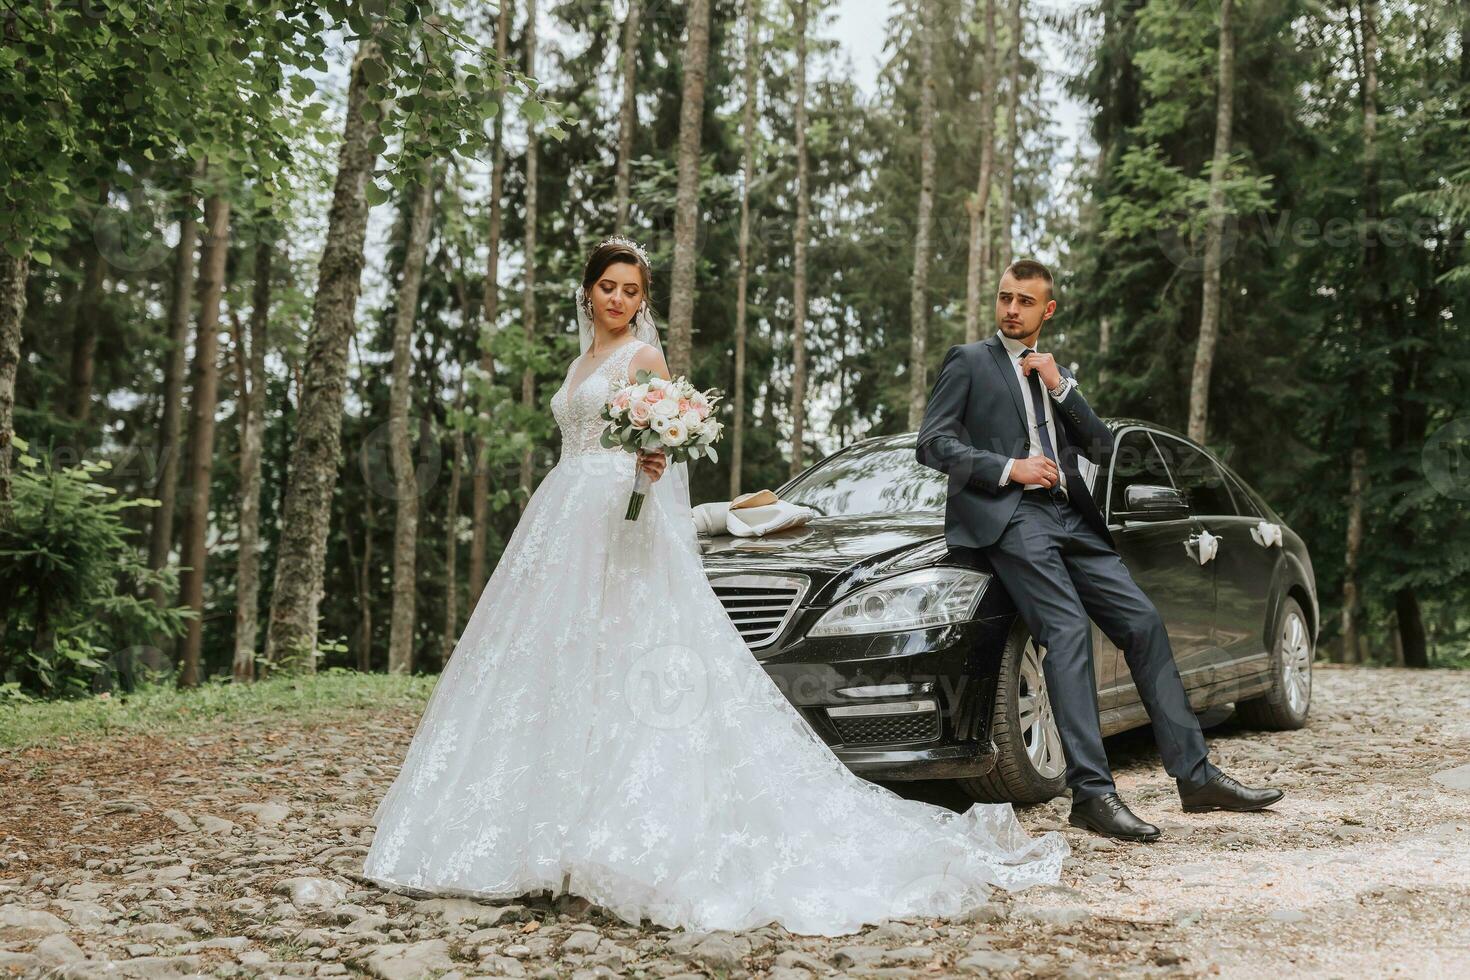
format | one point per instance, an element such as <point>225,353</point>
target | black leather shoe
<point>1108,815</point>
<point>1224,793</point>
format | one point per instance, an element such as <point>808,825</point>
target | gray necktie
<point>1039,405</point>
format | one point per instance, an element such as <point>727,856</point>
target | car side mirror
<point>1149,501</point>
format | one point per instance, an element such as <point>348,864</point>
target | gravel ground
<point>236,854</point>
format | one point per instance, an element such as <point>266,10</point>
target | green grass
<point>161,709</point>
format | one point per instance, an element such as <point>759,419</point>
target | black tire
<point>1015,777</point>
<point>1286,703</point>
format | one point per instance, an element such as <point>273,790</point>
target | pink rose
<point>620,401</point>
<point>638,415</point>
<point>683,405</point>
<point>654,395</point>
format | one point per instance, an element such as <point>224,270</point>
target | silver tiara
<point>620,240</point>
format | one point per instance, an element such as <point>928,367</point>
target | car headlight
<point>914,600</point>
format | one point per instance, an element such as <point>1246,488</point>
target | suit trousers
<point>1060,571</point>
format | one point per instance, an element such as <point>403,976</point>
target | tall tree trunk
<point>627,116</point>
<point>13,272</point>
<point>84,338</point>
<point>1209,320</point>
<point>1413,642</point>
<point>405,482</point>
<point>978,206</point>
<point>798,254</point>
<point>1004,250</point>
<point>84,329</point>
<point>480,514</point>
<point>204,397</point>
<point>742,282</point>
<point>919,285</point>
<point>451,538</point>
<point>528,294</point>
<point>251,380</point>
<point>302,551</point>
<point>686,196</point>
<point>1408,426</point>
<point>1367,320</point>
<point>1357,476</point>
<point>166,490</point>
<point>362,638</point>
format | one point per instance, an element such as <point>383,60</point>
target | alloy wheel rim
<point>1296,663</point>
<point>1038,726</point>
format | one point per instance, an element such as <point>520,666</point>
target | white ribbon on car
<point>1207,546</point>
<point>1266,534</point>
<point>750,515</point>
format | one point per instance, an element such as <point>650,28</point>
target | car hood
<point>824,544</point>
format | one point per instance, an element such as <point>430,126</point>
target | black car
<point>910,659</point>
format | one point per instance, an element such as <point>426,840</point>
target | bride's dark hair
<point>611,251</point>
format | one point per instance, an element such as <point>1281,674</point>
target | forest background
<point>285,288</point>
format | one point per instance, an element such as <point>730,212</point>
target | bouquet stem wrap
<point>641,486</point>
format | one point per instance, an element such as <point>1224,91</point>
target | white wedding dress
<point>601,726</point>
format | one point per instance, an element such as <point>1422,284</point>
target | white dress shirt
<point>1015,348</point>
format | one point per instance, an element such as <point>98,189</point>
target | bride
<point>602,729</point>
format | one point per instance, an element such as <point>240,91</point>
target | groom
<point>1015,492</point>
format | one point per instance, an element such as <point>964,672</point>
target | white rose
<point>638,393</point>
<point>691,420</point>
<point>667,408</point>
<point>658,423</point>
<point>674,433</point>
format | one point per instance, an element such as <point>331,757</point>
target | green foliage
<point>133,96</point>
<point>334,695</point>
<point>1158,199</point>
<point>72,578</point>
<point>1323,340</point>
<point>98,93</point>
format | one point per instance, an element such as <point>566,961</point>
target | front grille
<point>760,606</point>
<point>916,727</point>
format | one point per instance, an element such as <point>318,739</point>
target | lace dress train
<point>601,722</point>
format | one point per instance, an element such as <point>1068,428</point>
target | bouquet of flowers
<point>659,415</point>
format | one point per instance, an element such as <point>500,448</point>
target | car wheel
<point>1029,766</point>
<point>1287,701</point>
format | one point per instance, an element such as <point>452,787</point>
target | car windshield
<point>870,480</point>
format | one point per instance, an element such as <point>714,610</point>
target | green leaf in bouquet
<point>711,455</point>
<point>606,440</point>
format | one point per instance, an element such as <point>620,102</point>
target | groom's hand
<point>1035,469</point>
<point>1046,365</point>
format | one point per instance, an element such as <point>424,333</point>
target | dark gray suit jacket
<point>976,421</point>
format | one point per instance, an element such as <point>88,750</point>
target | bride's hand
<point>652,463</point>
